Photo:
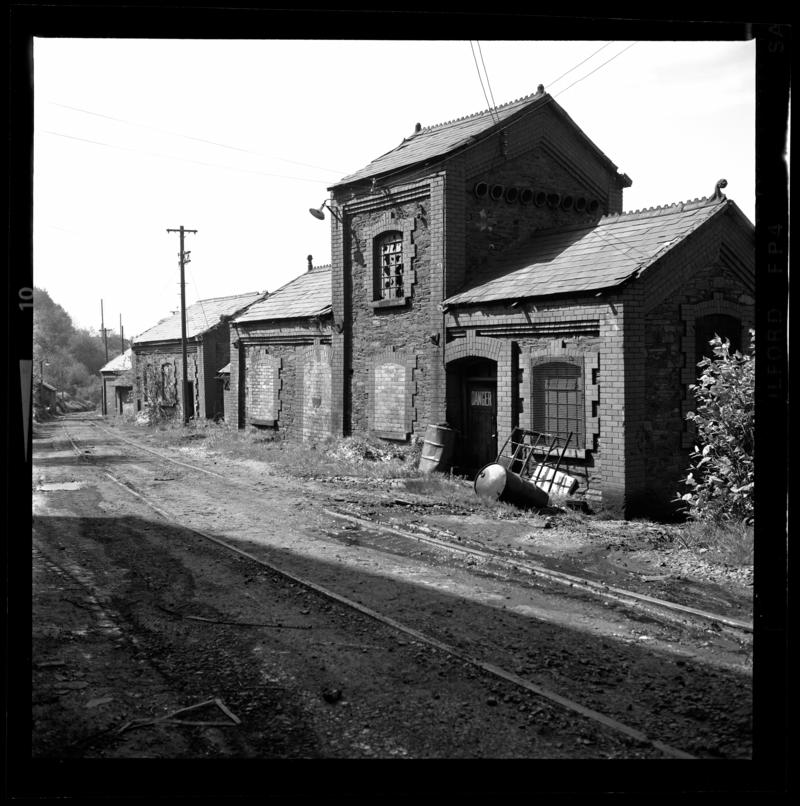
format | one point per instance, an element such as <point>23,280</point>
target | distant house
<point>158,362</point>
<point>485,274</point>
<point>47,395</point>
<point>117,377</point>
<point>280,370</point>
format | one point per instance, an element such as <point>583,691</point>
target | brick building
<point>117,378</point>
<point>484,274</point>
<point>158,361</point>
<point>280,369</point>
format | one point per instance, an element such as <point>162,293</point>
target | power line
<point>190,137</point>
<point>561,92</point>
<point>486,73</point>
<point>523,115</point>
<point>480,78</point>
<point>183,159</point>
<point>575,67</point>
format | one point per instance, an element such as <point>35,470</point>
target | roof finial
<point>540,89</point>
<point>417,128</point>
<point>718,194</point>
<point>310,258</point>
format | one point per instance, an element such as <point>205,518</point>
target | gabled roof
<point>573,261</point>
<point>200,317</point>
<point>306,295</point>
<point>119,364</point>
<point>433,142</point>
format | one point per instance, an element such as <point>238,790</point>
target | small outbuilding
<point>158,360</point>
<point>280,370</point>
<point>117,378</point>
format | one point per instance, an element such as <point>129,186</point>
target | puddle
<point>62,485</point>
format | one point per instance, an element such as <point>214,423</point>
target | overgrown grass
<point>727,542</point>
<point>349,456</point>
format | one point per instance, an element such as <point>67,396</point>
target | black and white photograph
<point>394,397</point>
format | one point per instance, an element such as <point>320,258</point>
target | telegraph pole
<point>103,329</point>
<point>104,399</point>
<point>184,259</point>
<point>121,336</point>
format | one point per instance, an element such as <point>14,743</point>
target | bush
<point>721,473</point>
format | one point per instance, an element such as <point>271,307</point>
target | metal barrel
<point>493,482</point>
<point>437,448</point>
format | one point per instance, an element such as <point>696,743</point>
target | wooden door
<point>481,421</point>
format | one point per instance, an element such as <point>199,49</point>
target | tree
<point>721,473</point>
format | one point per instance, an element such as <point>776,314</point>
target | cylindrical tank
<point>437,447</point>
<point>494,482</point>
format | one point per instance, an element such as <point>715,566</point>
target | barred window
<point>389,266</point>
<point>557,392</point>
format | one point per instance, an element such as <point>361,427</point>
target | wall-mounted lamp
<point>317,211</point>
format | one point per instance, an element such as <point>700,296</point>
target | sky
<point>238,139</point>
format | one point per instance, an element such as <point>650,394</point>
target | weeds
<point>729,542</point>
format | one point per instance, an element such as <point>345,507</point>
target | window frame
<point>540,415</point>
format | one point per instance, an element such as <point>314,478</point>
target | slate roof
<point>436,141</point>
<point>119,364</point>
<point>573,261</point>
<point>306,295</point>
<point>200,317</point>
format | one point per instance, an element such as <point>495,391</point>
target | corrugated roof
<point>306,295</point>
<point>570,261</point>
<point>119,364</point>
<point>431,142</point>
<point>200,317</point>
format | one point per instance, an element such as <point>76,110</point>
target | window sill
<point>570,453</point>
<point>389,303</point>
<point>397,436</point>
<point>262,422</point>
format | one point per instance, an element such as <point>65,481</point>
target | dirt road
<point>136,617</point>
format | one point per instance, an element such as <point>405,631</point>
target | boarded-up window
<point>169,386</point>
<point>557,397</point>
<point>390,399</point>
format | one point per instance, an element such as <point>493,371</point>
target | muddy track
<point>629,683</point>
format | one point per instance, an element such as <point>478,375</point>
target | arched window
<point>557,399</point>
<point>388,280</point>
<point>724,325</point>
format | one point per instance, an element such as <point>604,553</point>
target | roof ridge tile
<point>488,111</point>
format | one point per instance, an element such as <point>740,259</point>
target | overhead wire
<point>575,67</point>
<point>182,159</point>
<point>561,92</point>
<point>527,112</point>
<point>480,78</point>
<point>190,137</point>
<point>486,73</point>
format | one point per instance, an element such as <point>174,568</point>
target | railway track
<point>651,605</point>
<point>492,669</point>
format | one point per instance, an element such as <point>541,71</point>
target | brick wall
<point>168,354</point>
<point>693,282</point>
<point>413,328</point>
<point>585,328</point>
<point>277,377</point>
